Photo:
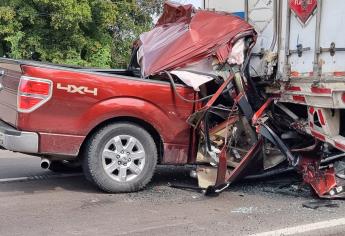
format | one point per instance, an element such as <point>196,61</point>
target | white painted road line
<point>304,228</point>
<point>38,177</point>
<point>147,230</point>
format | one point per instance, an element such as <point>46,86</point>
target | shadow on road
<point>162,177</point>
<point>288,184</point>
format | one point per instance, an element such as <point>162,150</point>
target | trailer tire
<point>120,157</point>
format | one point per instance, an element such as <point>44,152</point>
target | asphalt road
<point>68,205</point>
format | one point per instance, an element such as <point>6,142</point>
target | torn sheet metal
<point>208,69</point>
<point>191,79</point>
<point>237,55</point>
<point>183,36</point>
<point>176,13</point>
<point>324,180</point>
<point>225,136</point>
<point>207,176</point>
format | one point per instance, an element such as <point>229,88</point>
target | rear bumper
<point>19,141</point>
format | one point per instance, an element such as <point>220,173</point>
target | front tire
<point>120,157</point>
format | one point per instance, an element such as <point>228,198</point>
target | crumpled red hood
<point>184,35</point>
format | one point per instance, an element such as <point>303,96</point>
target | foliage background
<point>95,33</point>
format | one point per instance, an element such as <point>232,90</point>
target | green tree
<point>96,33</point>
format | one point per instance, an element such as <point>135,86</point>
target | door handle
<point>299,50</point>
<point>332,49</point>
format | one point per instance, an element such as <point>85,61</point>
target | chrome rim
<point>123,158</point>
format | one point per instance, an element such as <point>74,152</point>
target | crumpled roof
<point>175,13</point>
<point>184,35</point>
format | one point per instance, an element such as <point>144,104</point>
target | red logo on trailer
<point>303,9</point>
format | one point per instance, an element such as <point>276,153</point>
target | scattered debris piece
<point>320,203</point>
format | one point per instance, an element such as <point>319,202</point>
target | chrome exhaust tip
<point>45,164</point>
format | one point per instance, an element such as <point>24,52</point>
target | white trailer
<point>307,35</point>
<point>236,7</point>
<point>300,53</point>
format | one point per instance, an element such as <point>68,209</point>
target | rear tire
<point>120,157</point>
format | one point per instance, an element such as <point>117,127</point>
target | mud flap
<point>322,180</point>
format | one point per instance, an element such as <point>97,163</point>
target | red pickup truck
<point>127,123</point>
<point>120,123</point>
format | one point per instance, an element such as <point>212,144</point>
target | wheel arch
<point>134,120</point>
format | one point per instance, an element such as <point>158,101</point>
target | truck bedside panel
<point>59,144</point>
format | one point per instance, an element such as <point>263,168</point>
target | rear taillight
<point>34,87</point>
<point>33,93</point>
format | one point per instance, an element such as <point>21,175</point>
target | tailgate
<point>9,80</point>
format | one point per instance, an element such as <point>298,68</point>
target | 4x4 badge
<point>303,9</point>
<point>70,88</point>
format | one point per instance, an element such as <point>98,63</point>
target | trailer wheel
<point>120,157</point>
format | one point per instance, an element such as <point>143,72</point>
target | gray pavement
<point>71,206</point>
<point>13,165</point>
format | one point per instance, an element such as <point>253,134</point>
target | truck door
<point>301,45</point>
<point>315,46</point>
<point>332,41</point>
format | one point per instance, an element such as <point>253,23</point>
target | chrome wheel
<point>123,158</point>
<point>120,157</point>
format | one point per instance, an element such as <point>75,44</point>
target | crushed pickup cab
<point>187,97</point>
